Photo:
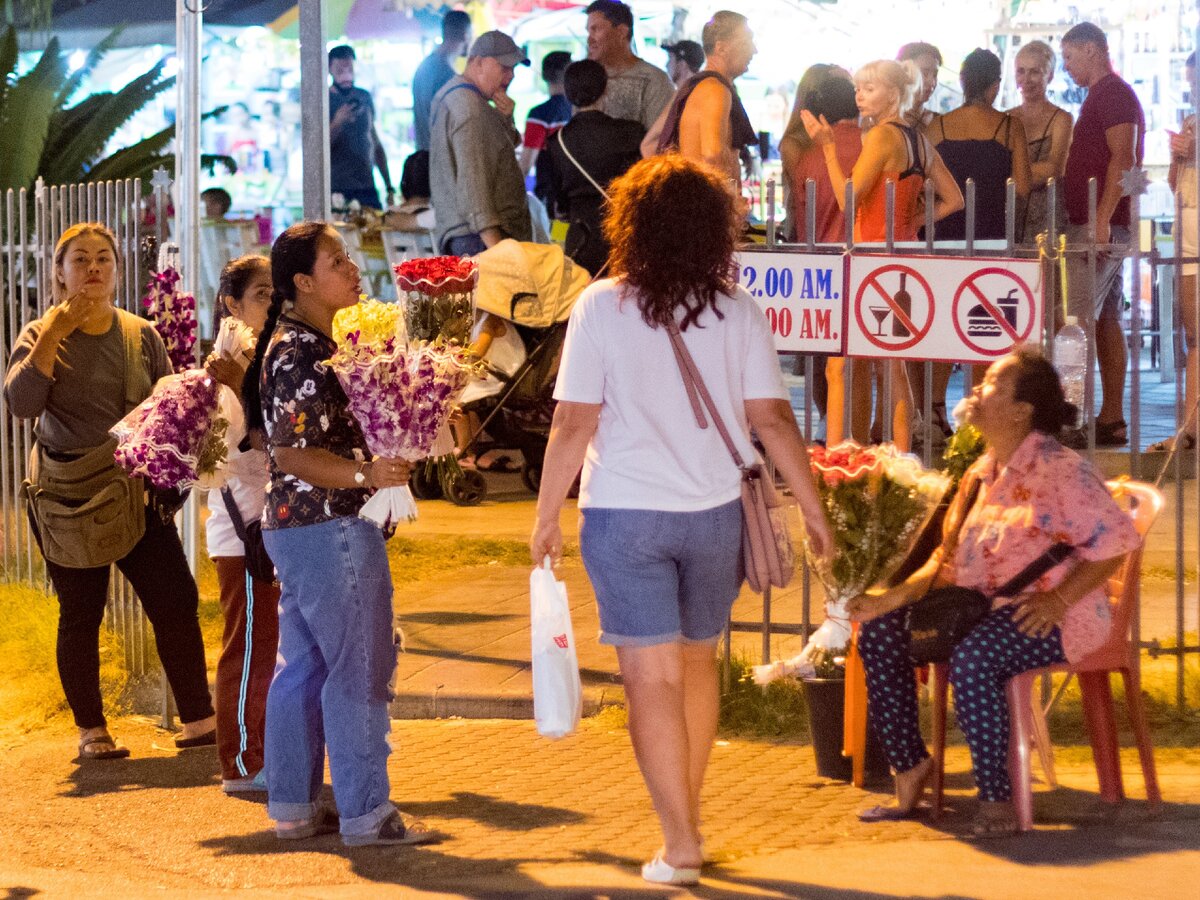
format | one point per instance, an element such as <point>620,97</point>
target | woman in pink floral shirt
<point>1033,493</point>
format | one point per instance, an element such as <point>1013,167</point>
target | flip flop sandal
<point>894,813</point>
<point>986,827</point>
<point>503,465</point>
<point>395,831</point>
<point>89,749</point>
<point>1185,442</point>
<point>326,821</point>
<point>1112,434</point>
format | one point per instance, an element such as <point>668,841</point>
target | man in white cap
<point>477,185</point>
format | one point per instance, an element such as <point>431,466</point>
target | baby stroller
<point>533,288</point>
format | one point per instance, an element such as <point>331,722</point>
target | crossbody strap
<point>582,171</point>
<point>137,377</point>
<point>1035,570</point>
<point>235,514</point>
<point>698,393</point>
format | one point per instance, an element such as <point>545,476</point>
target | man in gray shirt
<point>478,189</point>
<point>636,89</point>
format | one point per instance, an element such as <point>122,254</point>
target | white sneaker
<point>249,785</point>
<point>659,871</point>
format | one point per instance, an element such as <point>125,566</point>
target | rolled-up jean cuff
<point>702,640</point>
<point>367,824</point>
<point>653,640</point>
<point>291,812</point>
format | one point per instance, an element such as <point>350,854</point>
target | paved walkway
<point>467,632</point>
<point>570,818</point>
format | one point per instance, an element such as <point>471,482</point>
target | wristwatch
<point>360,477</point>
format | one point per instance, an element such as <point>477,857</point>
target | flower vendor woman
<point>1033,493</point>
<point>78,370</point>
<point>336,656</point>
<point>662,519</point>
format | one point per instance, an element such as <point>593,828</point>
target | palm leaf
<point>27,109</point>
<point>64,162</point>
<point>93,59</point>
<point>8,62</point>
<point>142,158</point>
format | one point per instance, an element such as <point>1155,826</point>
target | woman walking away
<point>336,656</point>
<point>1047,135</point>
<point>248,603</point>
<point>893,151</point>
<point>1025,494</point>
<point>662,521</point>
<point>78,370</point>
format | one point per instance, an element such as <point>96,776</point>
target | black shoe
<point>208,739</point>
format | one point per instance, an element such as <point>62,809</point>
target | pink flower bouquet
<point>174,315</point>
<point>174,438</point>
<point>402,398</point>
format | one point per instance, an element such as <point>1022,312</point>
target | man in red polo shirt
<point>1108,141</point>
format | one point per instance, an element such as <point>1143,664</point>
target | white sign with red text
<point>942,308</point>
<point>802,295</point>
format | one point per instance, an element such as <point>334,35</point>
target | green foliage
<point>46,138</point>
<point>776,711</point>
<point>964,447</point>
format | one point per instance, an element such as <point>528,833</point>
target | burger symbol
<point>980,322</point>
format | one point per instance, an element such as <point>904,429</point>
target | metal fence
<point>1167,354</point>
<point>30,223</point>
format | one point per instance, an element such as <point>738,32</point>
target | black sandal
<point>940,420</point>
<point>1112,434</point>
<point>102,746</point>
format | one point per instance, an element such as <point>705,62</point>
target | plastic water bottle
<point>1070,358</point>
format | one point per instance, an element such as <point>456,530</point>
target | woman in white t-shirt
<point>662,522</point>
<point>250,605</point>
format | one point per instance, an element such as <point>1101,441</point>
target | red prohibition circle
<point>862,325</point>
<point>970,279</point>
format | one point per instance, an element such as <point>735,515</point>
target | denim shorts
<point>661,577</point>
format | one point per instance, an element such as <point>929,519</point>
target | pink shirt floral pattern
<point>1045,495</point>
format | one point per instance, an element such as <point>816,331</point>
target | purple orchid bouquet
<point>402,397</point>
<point>174,438</point>
<point>174,315</point>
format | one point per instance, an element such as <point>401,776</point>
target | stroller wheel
<point>468,489</point>
<point>531,475</point>
<point>425,484</point>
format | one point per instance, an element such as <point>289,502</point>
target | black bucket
<point>826,698</point>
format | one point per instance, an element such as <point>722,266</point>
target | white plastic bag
<point>557,692</point>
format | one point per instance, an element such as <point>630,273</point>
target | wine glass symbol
<point>880,313</point>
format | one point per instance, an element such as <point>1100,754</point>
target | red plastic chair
<point>1121,653</point>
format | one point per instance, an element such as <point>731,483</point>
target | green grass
<point>30,693</point>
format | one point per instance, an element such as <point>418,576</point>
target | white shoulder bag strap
<point>584,172</point>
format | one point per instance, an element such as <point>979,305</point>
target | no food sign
<point>942,308</point>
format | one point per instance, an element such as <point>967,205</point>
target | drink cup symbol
<point>1009,305</point>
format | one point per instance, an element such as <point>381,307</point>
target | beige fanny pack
<point>87,511</point>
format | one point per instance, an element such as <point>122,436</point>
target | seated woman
<point>1033,493</point>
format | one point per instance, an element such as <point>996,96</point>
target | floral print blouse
<point>305,406</point>
<point>1045,495</point>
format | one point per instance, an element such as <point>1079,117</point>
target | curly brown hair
<point>673,225</point>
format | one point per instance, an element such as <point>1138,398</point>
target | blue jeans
<point>662,577</point>
<point>332,677</point>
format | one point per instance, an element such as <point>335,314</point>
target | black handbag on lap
<point>937,622</point>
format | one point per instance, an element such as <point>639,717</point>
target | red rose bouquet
<point>877,500</point>
<point>438,296</point>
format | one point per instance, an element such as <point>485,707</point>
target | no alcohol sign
<point>942,308</point>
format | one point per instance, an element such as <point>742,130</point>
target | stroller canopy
<point>534,285</point>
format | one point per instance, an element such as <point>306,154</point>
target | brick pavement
<point>522,812</point>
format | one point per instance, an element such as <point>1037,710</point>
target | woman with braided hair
<point>336,657</point>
